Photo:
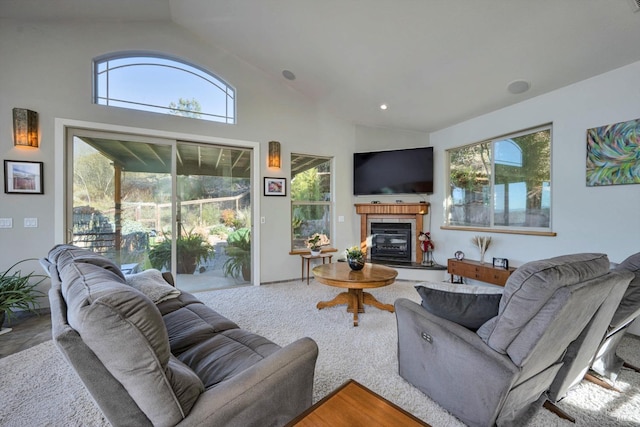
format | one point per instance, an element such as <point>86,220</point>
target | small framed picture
<point>501,263</point>
<point>23,177</point>
<point>275,186</point>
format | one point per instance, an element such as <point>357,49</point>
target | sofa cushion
<point>189,322</point>
<point>466,305</point>
<point>630,303</point>
<point>126,332</point>
<point>183,300</point>
<point>65,255</point>
<point>530,287</point>
<point>151,283</point>
<point>80,280</point>
<point>226,354</point>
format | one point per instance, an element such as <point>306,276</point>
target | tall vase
<point>482,256</point>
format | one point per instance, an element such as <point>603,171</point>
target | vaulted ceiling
<point>433,62</point>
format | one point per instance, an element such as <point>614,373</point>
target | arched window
<point>508,153</point>
<point>161,84</point>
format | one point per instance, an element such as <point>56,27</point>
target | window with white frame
<point>310,198</point>
<point>163,85</point>
<point>503,183</point>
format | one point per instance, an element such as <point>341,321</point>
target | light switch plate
<point>30,222</point>
<point>6,222</point>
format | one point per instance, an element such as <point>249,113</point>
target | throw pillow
<point>152,284</point>
<point>466,305</point>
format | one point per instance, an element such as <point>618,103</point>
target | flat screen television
<point>393,172</point>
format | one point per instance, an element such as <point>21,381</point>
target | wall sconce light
<point>274,154</point>
<point>25,128</point>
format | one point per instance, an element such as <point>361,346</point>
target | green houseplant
<point>192,249</point>
<point>239,252</point>
<point>355,257</point>
<point>18,291</point>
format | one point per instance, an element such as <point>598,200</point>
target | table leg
<point>355,300</point>
<point>371,300</point>
<point>341,298</point>
<point>302,267</point>
<point>308,270</point>
<point>354,304</point>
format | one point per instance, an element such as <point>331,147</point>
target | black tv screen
<point>393,172</point>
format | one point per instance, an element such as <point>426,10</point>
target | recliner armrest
<point>434,353</point>
<point>271,392</point>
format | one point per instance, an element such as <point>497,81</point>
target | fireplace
<point>391,241</point>
<point>393,213</point>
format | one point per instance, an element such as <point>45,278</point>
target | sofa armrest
<point>435,353</point>
<point>270,393</point>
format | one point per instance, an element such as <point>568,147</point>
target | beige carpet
<point>37,387</point>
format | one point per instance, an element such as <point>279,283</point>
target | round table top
<point>339,274</point>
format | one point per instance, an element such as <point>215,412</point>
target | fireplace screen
<point>390,241</point>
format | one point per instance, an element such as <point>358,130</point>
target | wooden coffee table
<point>354,405</point>
<point>340,275</point>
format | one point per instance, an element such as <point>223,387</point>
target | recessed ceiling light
<point>288,75</point>
<point>518,86</point>
<point>383,106</point>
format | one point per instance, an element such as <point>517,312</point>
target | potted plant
<point>355,257</point>
<point>316,242</point>
<point>192,249</point>
<point>239,252</point>
<point>18,291</point>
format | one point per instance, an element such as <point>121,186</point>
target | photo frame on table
<point>22,177</point>
<point>275,186</point>
<point>501,263</point>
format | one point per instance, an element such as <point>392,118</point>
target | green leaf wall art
<point>613,154</point>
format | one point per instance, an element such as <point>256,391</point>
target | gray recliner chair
<point>498,374</point>
<point>595,348</point>
<point>606,362</point>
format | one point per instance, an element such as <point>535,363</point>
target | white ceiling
<point>434,62</point>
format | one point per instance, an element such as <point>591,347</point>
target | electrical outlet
<point>340,218</point>
<point>6,222</point>
<point>263,220</point>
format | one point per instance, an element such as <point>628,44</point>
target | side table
<point>309,257</point>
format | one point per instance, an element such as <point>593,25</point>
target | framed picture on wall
<point>23,177</point>
<point>275,186</point>
<point>610,158</point>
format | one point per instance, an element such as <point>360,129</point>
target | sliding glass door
<point>164,204</point>
<point>213,215</point>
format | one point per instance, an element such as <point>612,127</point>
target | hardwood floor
<point>28,330</point>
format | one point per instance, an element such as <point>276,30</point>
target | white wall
<point>586,219</point>
<point>46,67</point>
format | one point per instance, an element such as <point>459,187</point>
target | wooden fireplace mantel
<point>392,210</point>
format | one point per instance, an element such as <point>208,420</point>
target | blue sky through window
<point>153,83</point>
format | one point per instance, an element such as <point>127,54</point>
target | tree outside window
<point>502,183</point>
<point>310,198</point>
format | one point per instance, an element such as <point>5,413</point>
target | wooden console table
<point>478,271</point>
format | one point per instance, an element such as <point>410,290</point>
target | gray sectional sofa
<point>174,362</point>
